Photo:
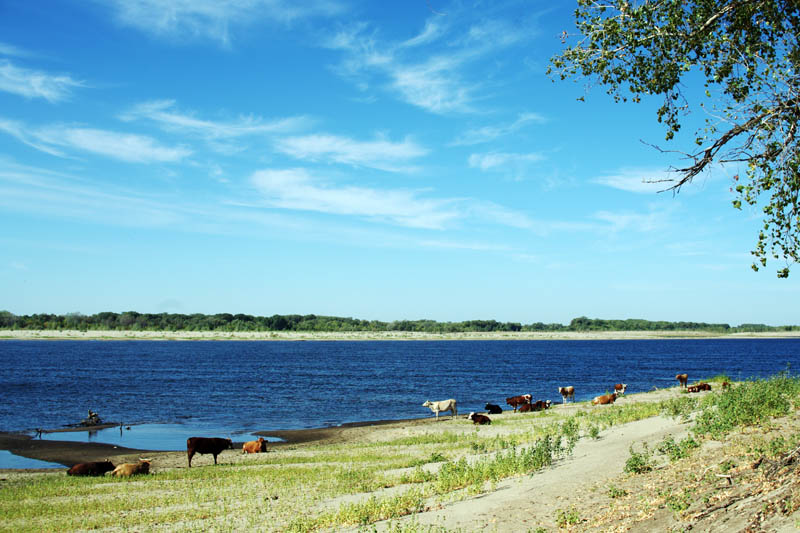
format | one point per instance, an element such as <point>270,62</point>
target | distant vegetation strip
<point>226,322</point>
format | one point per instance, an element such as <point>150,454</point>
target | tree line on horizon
<point>227,322</point>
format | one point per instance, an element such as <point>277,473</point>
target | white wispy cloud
<point>638,180</point>
<point>59,139</point>
<point>297,189</point>
<point>499,160</point>
<point>13,51</point>
<point>212,19</point>
<point>380,154</point>
<point>439,83</point>
<point>35,83</point>
<point>492,132</point>
<point>163,113</point>
<point>657,217</point>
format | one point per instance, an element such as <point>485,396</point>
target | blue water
<point>238,387</point>
<point>168,437</point>
<point>9,460</point>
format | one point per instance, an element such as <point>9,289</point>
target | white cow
<point>444,405</point>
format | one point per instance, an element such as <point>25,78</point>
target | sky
<point>376,160</point>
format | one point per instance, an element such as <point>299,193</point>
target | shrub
<point>639,462</point>
<point>677,450</point>
<point>567,517</point>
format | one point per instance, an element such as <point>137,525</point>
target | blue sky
<point>381,160</point>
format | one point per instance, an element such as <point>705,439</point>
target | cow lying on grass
<point>605,399</point>
<point>255,446</point>
<point>493,409</point>
<point>479,419</point>
<point>444,405</point>
<point>698,387</point>
<point>96,468</point>
<point>132,469</point>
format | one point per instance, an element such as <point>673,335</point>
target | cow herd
<point>523,403</point>
<point>214,446</point>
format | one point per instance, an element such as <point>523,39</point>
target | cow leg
<point>190,458</point>
<point>215,458</point>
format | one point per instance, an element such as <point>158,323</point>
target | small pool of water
<point>160,437</point>
<point>9,460</point>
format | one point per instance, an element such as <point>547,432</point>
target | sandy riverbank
<point>385,335</point>
<point>579,484</point>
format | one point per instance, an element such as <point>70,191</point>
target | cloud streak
<point>58,139</point>
<point>380,154</point>
<point>297,189</point>
<point>163,113</point>
<point>212,19</point>
<point>34,84</point>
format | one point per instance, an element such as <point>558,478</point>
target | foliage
<point>748,55</point>
<point>679,407</point>
<point>677,450</point>
<point>616,492</point>
<point>639,462</point>
<point>747,404</point>
<point>567,517</point>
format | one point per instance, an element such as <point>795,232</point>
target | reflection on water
<point>9,460</point>
<point>161,437</point>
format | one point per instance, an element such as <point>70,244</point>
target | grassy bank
<point>395,472</point>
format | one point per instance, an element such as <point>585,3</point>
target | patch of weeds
<point>677,450</point>
<point>570,428</point>
<point>418,475</point>
<point>615,492</point>
<point>639,462</point>
<point>726,466</point>
<point>567,517</point>
<point>594,431</point>
<point>679,407</point>
<point>679,502</point>
<point>748,404</point>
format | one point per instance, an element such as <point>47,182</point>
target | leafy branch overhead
<point>747,53</point>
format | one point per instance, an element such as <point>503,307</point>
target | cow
<point>605,399</point>
<point>698,387</point>
<point>525,408</point>
<point>255,446</point>
<point>538,405</point>
<point>516,401</point>
<point>620,388</point>
<point>567,393</point>
<point>726,385</point>
<point>444,405</point>
<point>493,409</point>
<point>204,445</point>
<point>479,419</point>
<point>682,379</point>
<point>96,468</point>
<point>132,469</point>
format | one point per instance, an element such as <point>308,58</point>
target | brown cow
<point>726,385</point>
<point>255,446</point>
<point>203,445</point>
<point>682,379</point>
<point>479,419</point>
<point>516,401</point>
<point>96,468</point>
<point>131,469</point>
<point>605,399</point>
<point>620,388</point>
<point>567,392</point>
<point>697,387</point>
<point>538,405</point>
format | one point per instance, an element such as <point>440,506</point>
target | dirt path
<point>529,502</point>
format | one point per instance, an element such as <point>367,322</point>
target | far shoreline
<point>111,335</point>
